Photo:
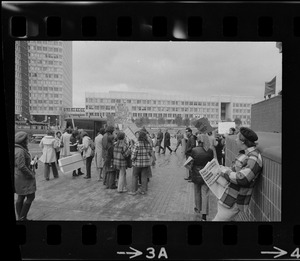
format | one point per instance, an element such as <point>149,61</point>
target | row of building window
<point>46,75</point>
<point>56,43</point>
<point>44,55</point>
<point>39,109</point>
<point>45,102</point>
<point>241,105</point>
<point>44,49</point>
<point>44,69</point>
<point>44,62</point>
<point>44,82</point>
<point>162,102</point>
<point>241,110</point>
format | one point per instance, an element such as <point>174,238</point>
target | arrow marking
<point>280,253</point>
<point>134,254</point>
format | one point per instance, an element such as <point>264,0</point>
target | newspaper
<point>189,162</point>
<point>211,174</point>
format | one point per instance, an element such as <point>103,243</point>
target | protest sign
<point>211,174</point>
<point>130,134</point>
<point>203,125</point>
<point>71,163</point>
<point>223,127</point>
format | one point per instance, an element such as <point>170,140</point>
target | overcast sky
<point>195,68</point>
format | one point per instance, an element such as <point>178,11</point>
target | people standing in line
<point>107,154</point>
<point>74,149</point>
<point>179,137</point>
<point>121,152</point>
<point>60,145</point>
<point>167,142</point>
<point>159,139</point>
<point>49,145</point>
<point>85,147</point>
<point>190,144</point>
<point>141,155</point>
<point>201,154</point>
<point>98,152</point>
<point>65,151</point>
<point>241,176</point>
<point>24,180</point>
<point>213,143</point>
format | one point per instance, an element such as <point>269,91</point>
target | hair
<point>50,132</point>
<point>102,131</point>
<point>204,141</point>
<point>24,143</point>
<point>121,135</point>
<point>143,136</point>
<point>58,132</point>
<point>75,133</point>
<point>247,142</point>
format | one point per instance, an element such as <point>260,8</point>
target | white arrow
<point>280,253</point>
<point>135,253</point>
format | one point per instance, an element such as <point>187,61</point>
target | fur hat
<point>248,134</point>
<point>20,137</point>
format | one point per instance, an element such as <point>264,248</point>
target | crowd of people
<point>114,153</point>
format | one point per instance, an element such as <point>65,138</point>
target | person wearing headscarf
<point>25,182</point>
<point>242,176</point>
<point>49,145</point>
<point>60,145</point>
<point>201,154</point>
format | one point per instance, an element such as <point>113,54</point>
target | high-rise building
<point>132,105</point>
<point>49,66</point>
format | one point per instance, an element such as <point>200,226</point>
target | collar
<point>250,149</point>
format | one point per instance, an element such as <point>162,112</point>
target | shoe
<point>47,179</point>
<point>80,173</point>
<point>113,187</point>
<point>188,178</point>
<point>86,177</point>
<point>120,191</point>
<point>142,192</point>
<point>132,193</point>
<point>197,210</point>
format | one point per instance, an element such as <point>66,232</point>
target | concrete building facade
<point>49,65</point>
<point>215,108</point>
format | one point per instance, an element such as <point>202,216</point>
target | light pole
<point>56,123</point>
<point>48,122</point>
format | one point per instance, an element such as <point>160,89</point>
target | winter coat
<point>108,150</point>
<point>49,145</point>
<point>167,139</point>
<point>65,151</point>
<point>98,151</point>
<point>25,182</point>
<point>121,150</point>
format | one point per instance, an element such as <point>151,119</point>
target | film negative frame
<point>203,21</point>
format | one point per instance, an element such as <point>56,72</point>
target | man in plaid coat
<point>241,177</point>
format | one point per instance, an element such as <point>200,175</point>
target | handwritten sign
<point>223,127</point>
<point>130,134</point>
<point>203,125</point>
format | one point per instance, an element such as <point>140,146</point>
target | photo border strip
<point>153,21</point>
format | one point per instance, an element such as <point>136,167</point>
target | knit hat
<point>188,129</point>
<point>248,134</point>
<point>20,137</point>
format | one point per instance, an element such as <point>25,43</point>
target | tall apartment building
<point>135,105</point>
<point>49,68</point>
<point>21,80</point>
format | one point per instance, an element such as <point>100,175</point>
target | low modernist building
<point>134,105</point>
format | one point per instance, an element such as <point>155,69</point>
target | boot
<point>74,173</point>
<point>19,206</point>
<point>24,212</point>
<point>80,173</point>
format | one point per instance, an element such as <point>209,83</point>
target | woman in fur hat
<point>25,183</point>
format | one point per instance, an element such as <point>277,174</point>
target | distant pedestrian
<point>98,152</point>
<point>60,145</point>
<point>107,154</point>
<point>241,176</point>
<point>74,149</point>
<point>49,145</point>
<point>201,155</point>
<point>121,152</point>
<point>159,139</point>
<point>179,137</point>
<point>86,148</point>
<point>190,144</point>
<point>141,156</point>
<point>25,182</point>
<point>65,151</point>
<point>167,142</point>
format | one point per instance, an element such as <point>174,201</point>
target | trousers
<point>226,214</point>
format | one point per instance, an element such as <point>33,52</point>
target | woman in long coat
<point>25,183</point>
<point>98,152</point>
<point>49,145</point>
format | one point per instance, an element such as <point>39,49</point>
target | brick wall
<point>265,204</point>
<point>267,115</point>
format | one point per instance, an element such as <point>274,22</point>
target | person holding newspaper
<point>201,155</point>
<point>241,177</point>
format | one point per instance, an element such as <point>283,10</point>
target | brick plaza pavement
<point>169,197</point>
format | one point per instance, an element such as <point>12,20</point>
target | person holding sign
<point>201,155</point>
<point>241,177</point>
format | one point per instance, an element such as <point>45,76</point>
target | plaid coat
<point>242,176</point>
<point>141,154</point>
<point>121,150</point>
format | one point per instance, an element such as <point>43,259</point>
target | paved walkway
<point>169,197</point>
